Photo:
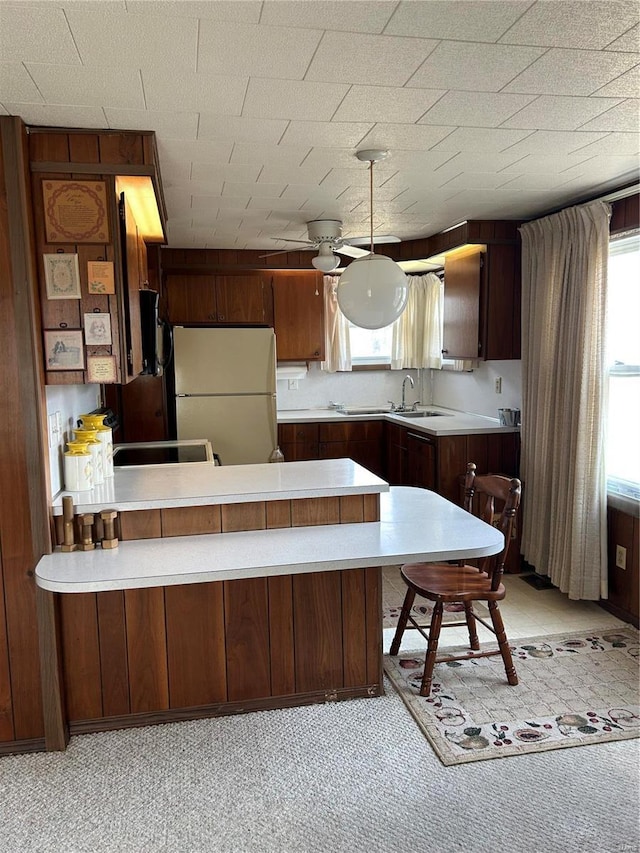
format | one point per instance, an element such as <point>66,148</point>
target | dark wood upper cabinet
<point>237,299</point>
<point>482,293</point>
<point>298,315</point>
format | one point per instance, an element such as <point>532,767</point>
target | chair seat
<point>446,582</point>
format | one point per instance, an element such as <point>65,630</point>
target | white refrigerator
<point>225,386</point>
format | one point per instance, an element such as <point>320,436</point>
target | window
<point>623,358</point>
<point>370,346</point>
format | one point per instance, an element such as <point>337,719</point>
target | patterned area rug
<point>574,690</point>
<point>453,612</point>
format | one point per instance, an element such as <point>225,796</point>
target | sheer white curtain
<point>337,349</point>
<point>417,333</point>
<point>564,291</point>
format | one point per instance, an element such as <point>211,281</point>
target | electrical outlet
<point>293,385</point>
<point>499,385</point>
<point>621,557</point>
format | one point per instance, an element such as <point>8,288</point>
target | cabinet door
<point>298,316</point>
<point>191,299</point>
<point>462,305</point>
<point>421,460</point>
<point>240,299</point>
<point>132,275</point>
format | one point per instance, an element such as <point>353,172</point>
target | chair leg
<point>503,643</point>
<point>402,621</point>
<point>474,643</point>
<point>432,648</point>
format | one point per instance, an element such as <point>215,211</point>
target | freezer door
<point>242,430</point>
<point>224,361</point>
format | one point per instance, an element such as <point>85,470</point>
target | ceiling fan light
<point>373,291</point>
<point>326,263</point>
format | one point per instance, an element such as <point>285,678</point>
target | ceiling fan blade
<point>378,238</point>
<point>309,248</point>
<point>287,240</point>
<point>352,251</point>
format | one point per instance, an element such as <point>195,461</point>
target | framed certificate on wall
<point>62,276</point>
<point>75,211</point>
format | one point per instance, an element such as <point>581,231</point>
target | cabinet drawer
<point>291,433</point>
<point>351,431</point>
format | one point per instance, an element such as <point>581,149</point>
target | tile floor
<point>526,611</point>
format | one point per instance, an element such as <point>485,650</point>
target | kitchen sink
<point>361,410</point>
<point>426,414</point>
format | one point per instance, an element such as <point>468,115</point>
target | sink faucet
<point>406,379</point>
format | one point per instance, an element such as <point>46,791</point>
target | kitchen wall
<point>469,392</point>
<point>70,401</point>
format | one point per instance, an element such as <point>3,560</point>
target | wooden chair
<point>451,582</point>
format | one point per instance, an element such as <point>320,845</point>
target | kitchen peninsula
<point>247,587</point>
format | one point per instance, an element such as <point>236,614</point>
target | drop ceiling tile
<point>29,36</point>
<point>206,202</point>
<point>55,115</point>
<point>195,150</point>
<point>627,85</point>
<point>605,165</point>
<point>107,37</point>
<point>614,143</point>
<point>332,134</point>
<point>388,60</point>
<point>256,203</point>
<point>89,86</point>
<point>354,195</point>
<point>178,202</point>
<point>471,180</point>
<point>356,17</point>
<point>625,117</point>
<point>404,136</point>
<point>174,173</point>
<point>165,90</point>
<point>386,103</point>
<point>553,141</point>
<point>544,163</point>
<point>572,72</point>
<point>3,110</point>
<point>291,175</point>
<point>255,51</point>
<point>280,155</point>
<point>537,182</point>
<point>239,129</point>
<point>357,176</point>
<point>480,139</point>
<point>630,41</point>
<point>222,10</point>
<point>293,99</point>
<point>573,24</point>
<point>473,67</point>
<point>254,190</point>
<point>481,161</point>
<point>459,21</point>
<point>300,193</point>
<point>236,173</point>
<point>168,125</point>
<point>475,109</point>
<point>557,112</point>
<point>16,84</point>
<point>344,158</point>
<point>205,185</point>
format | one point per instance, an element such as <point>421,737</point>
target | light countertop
<point>451,422</point>
<point>202,484</point>
<point>415,524</point>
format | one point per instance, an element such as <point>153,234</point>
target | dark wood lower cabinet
<point>220,648</point>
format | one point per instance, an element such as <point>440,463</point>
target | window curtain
<point>417,333</point>
<point>564,291</point>
<point>337,349</point>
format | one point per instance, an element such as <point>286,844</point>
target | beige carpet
<point>574,690</point>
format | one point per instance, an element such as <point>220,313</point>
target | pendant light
<point>373,290</point>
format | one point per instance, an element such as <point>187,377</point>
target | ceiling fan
<point>325,237</point>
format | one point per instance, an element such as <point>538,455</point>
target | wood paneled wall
<point>24,526</point>
<point>141,655</point>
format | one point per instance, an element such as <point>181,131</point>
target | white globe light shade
<point>326,263</point>
<point>373,291</point>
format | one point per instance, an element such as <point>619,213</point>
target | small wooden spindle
<point>86,527</point>
<point>68,543</point>
<point>108,517</point>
